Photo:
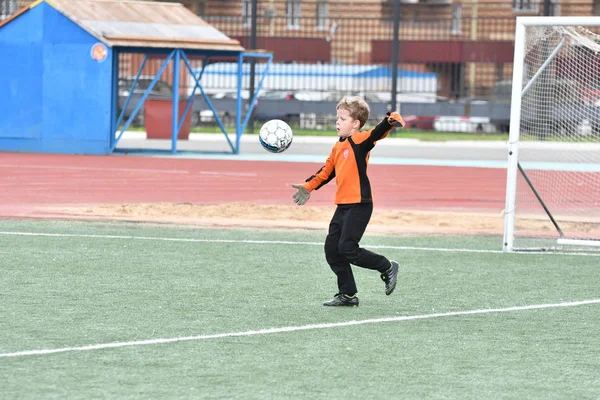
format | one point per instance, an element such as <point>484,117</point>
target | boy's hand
<point>301,196</point>
<point>396,120</point>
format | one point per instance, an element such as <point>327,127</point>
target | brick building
<point>468,44</point>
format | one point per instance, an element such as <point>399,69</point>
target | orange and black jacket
<point>347,163</point>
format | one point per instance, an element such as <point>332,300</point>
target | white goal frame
<point>515,119</point>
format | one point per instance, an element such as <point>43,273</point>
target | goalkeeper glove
<point>395,120</point>
<point>301,196</point>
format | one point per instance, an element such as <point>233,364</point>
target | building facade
<point>468,44</point>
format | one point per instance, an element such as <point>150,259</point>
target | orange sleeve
<point>323,175</point>
<point>381,130</point>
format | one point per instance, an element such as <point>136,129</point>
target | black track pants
<point>346,228</point>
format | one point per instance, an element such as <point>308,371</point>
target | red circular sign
<point>99,52</point>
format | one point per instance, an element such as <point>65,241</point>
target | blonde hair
<point>357,107</point>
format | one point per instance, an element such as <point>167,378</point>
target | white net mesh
<point>559,147</point>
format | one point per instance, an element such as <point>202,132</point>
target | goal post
<point>553,175</point>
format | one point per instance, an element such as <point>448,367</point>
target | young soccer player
<point>347,163</point>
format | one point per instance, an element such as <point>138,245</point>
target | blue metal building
<point>59,69</point>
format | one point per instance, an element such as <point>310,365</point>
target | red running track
<point>33,180</point>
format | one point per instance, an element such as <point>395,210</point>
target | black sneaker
<point>342,300</point>
<point>390,277</point>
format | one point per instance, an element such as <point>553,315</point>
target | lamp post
<point>253,19</point>
<point>395,52</point>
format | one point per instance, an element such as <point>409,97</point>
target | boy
<point>347,162</point>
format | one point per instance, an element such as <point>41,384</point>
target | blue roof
<point>317,70</point>
<point>381,72</point>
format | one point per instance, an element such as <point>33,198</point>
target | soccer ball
<point>275,136</point>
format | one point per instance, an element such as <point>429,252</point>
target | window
<point>555,7</point>
<point>293,14</point>
<point>456,22</point>
<point>526,6</point>
<point>7,8</point>
<point>322,14</point>
<point>246,13</point>
<point>201,9</point>
<point>535,7</point>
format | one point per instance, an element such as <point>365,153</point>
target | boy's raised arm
<point>392,120</point>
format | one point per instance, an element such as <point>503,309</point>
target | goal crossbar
<point>562,21</point>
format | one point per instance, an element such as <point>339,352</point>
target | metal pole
<point>395,44</point>
<point>513,138</point>
<point>252,60</point>
<point>175,104</point>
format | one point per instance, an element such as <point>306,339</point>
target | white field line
<point>218,173</point>
<point>66,167</point>
<point>157,171</point>
<point>294,329</point>
<point>271,242</point>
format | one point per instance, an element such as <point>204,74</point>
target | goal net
<point>553,185</point>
